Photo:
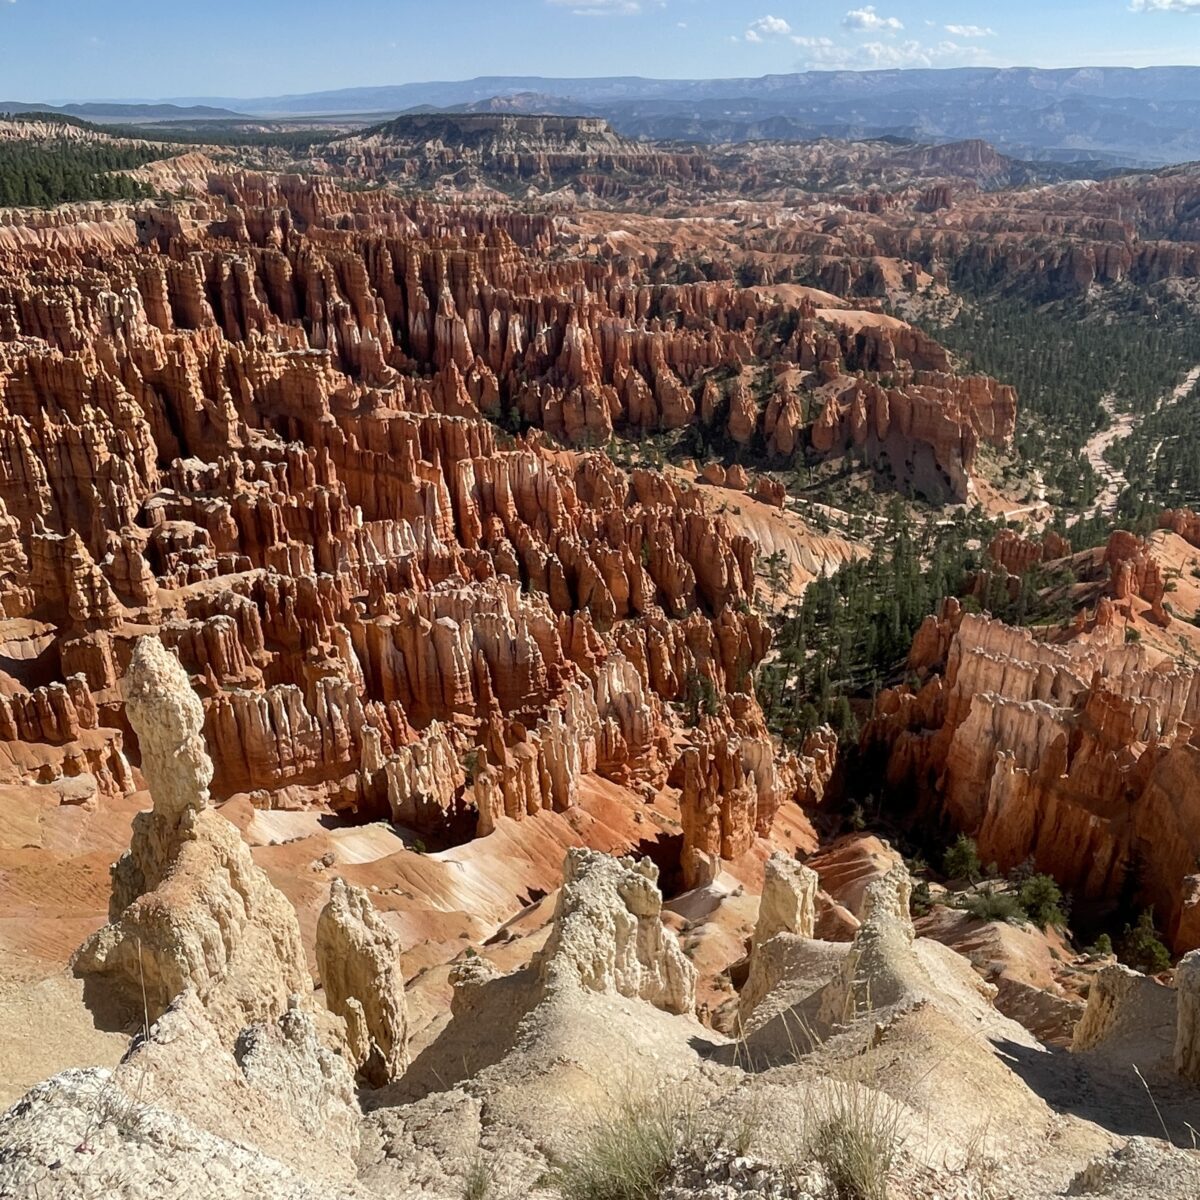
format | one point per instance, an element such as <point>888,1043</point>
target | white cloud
<point>823,54</point>
<point>970,31</point>
<point>598,8</point>
<point>767,27</point>
<point>867,20</point>
<point>1187,6</point>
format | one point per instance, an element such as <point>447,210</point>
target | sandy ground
<point>1123,424</point>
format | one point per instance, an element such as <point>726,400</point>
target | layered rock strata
<point>1079,753</point>
<point>268,425</point>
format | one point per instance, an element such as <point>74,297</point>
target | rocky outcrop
<point>189,908</point>
<point>275,1114</point>
<point>1133,1018</point>
<point>782,938</point>
<point>608,935</point>
<point>1123,1005</point>
<point>732,784</point>
<point>1076,753</point>
<point>358,957</point>
<point>887,969</point>
<point>1187,1035</point>
<point>789,900</point>
<point>287,1064</point>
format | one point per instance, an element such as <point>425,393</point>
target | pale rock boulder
<point>189,907</point>
<point>608,935</point>
<point>358,956</point>
<point>789,899</point>
<point>288,1065</point>
<point>783,932</point>
<point>1187,1029</point>
<point>187,1113</point>
<point>1129,1016</point>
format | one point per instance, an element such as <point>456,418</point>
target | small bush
<point>626,1155</point>
<point>921,900</point>
<point>990,905</point>
<point>746,1123</point>
<point>1042,899</point>
<point>1102,947</point>
<point>855,1142</point>
<point>1141,947</point>
<point>477,1182</point>
<point>962,860</point>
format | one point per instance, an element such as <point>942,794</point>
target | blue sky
<point>79,49</point>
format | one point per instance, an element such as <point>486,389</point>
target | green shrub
<point>990,905</point>
<point>962,860</point>
<point>477,1183</point>
<point>1102,947</point>
<point>1042,899</point>
<point>1141,948</point>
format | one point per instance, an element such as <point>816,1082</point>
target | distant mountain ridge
<point>1133,116</point>
<point>100,110</point>
<point>1121,116</point>
<point>1142,83</point>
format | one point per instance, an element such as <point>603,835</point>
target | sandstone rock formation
<point>788,903</point>
<point>1132,1018</point>
<point>189,908</point>
<point>1076,753</point>
<point>782,935</point>
<point>608,935</point>
<point>1124,1006</point>
<point>358,957</point>
<point>289,1067</point>
<point>1187,1035</point>
<point>301,484</point>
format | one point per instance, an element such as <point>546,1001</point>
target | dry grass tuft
<point>627,1153</point>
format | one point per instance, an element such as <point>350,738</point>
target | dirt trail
<point>1122,426</point>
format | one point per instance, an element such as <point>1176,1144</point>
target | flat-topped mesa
<point>189,908</point>
<point>500,148</point>
<point>608,935</point>
<point>358,957</point>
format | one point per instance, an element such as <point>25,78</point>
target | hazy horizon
<point>70,51</point>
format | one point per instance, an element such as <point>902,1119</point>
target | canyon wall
<point>1074,748</point>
